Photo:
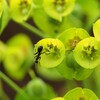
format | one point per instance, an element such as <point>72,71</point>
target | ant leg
<point>47,53</point>
<point>35,53</point>
<point>38,60</point>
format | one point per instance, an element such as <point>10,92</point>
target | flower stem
<point>32,74</point>
<point>13,85</point>
<point>34,30</point>
<point>3,95</point>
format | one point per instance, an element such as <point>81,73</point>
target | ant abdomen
<point>38,54</point>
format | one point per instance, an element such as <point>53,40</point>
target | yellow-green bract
<point>18,56</point>
<point>20,9</point>
<point>1,7</point>
<point>58,8</point>
<point>72,36</point>
<point>2,50</point>
<point>87,53</point>
<point>37,89</point>
<point>52,53</point>
<point>58,98</point>
<point>80,94</point>
<point>69,68</point>
<point>96,29</point>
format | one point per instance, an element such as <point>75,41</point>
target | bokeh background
<point>11,30</point>
<point>59,86</point>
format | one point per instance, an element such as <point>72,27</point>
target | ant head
<point>40,48</point>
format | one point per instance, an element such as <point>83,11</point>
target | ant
<point>40,48</point>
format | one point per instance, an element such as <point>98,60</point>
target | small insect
<point>38,53</point>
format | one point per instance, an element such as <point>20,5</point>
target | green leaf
<point>4,19</point>
<point>70,69</point>
<point>3,49</point>
<point>65,70</point>
<point>80,94</point>
<point>96,29</point>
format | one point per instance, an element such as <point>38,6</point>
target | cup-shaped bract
<point>20,9</point>
<point>80,94</point>
<point>58,98</point>
<point>72,36</point>
<point>87,53</point>
<point>3,49</point>
<point>37,89</point>
<point>96,29</point>
<point>49,52</point>
<point>1,7</point>
<point>18,58</point>
<point>13,61</point>
<point>69,68</point>
<point>58,8</point>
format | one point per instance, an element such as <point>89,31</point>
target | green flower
<point>87,53</point>
<point>58,8</point>
<point>49,52</point>
<point>20,9</point>
<point>80,94</point>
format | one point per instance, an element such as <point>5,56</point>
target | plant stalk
<point>34,30</point>
<point>13,85</point>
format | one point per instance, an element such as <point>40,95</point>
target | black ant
<point>40,48</point>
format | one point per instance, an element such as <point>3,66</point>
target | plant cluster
<point>66,51</point>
